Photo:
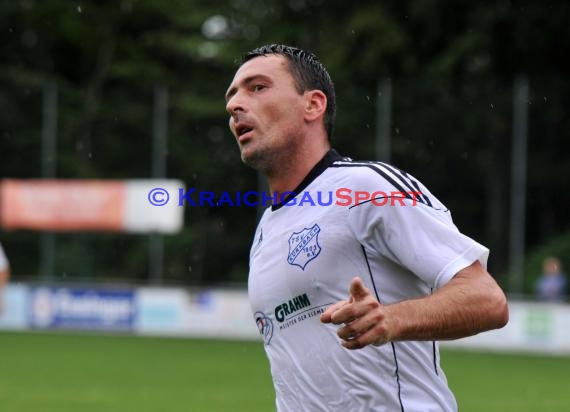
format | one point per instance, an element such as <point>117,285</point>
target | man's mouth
<point>242,130</point>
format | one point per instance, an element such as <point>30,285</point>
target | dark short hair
<point>308,73</point>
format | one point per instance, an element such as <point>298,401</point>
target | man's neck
<point>288,177</point>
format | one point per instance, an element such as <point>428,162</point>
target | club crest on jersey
<point>304,246</point>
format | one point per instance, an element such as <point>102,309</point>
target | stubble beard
<point>268,160</point>
<point>262,160</point>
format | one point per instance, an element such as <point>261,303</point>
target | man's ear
<point>316,105</point>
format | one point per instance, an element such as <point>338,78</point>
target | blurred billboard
<point>134,206</point>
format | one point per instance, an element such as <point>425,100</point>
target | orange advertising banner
<point>62,205</point>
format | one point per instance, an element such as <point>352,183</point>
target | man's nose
<point>235,104</point>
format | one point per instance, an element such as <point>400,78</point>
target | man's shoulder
<point>363,173</point>
<point>376,177</point>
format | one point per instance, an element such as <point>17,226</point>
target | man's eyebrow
<point>244,82</point>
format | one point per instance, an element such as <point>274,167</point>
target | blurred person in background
<point>4,276</point>
<point>410,276</point>
<point>551,285</point>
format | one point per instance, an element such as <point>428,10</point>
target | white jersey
<point>302,260</point>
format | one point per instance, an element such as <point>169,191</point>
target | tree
<point>452,65</point>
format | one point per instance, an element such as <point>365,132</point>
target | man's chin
<point>254,160</point>
<point>249,160</point>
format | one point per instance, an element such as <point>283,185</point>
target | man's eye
<point>258,87</point>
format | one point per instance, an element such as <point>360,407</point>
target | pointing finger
<point>357,289</point>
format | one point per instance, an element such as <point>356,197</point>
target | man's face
<point>266,111</point>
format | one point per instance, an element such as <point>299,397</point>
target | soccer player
<point>4,276</point>
<point>350,299</point>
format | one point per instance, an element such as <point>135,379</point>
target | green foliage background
<point>452,66</point>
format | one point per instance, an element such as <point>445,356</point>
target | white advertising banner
<point>532,327</point>
<point>211,313</point>
<point>225,314</point>
<point>14,307</point>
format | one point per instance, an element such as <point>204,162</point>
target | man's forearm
<point>470,303</point>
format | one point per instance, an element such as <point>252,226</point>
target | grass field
<point>64,372</point>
